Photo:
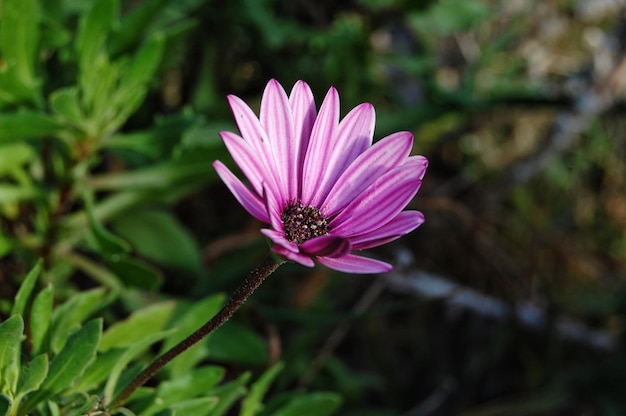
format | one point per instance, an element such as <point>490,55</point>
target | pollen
<point>303,222</point>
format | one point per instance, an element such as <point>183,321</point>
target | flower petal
<point>320,146</point>
<point>354,136</point>
<point>244,156</point>
<point>303,110</point>
<point>380,202</point>
<point>355,264</point>
<point>276,119</point>
<point>278,238</point>
<point>403,224</point>
<point>327,246</point>
<point>369,166</point>
<point>254,134</point>
<point>251,202</point>
<point>297,257</point>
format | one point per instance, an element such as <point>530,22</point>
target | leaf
<point>252,403</point>
<point>32,375</point>
<point>65,103</point>
<point>138,326</point>
<point>192,318</point>
<point>70,363</point>
<point>67,317</point>
<point>11,193</point>
<point>229,394</point>
<point>92,32</point>
<point>237,343</point>
<point>314,404</point>
<point>26,124</point>
<point>109,245</point>
<point>134,26</point>
<point>133,85</point>
<point>98,371</point>
<point>135,272</point>
<point>26,289</point>
<point>110,389</point>
<point>40,318</point>
<point>190,385</point>
<point>201,406</point>
<point>14,155</point>
<point>158,236</point>
<point>11,332</point>
<point>19,36</point>
<point>5,405</point>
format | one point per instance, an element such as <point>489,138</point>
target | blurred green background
<point>509,300</point>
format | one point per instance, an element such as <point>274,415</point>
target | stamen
<point>303,222</point>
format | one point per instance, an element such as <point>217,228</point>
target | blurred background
<point>509,300</point>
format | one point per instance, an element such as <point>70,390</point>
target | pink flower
<point>319,183</point>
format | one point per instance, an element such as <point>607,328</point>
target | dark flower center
<point>303,222</point>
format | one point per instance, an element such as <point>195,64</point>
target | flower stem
<point>253,281</point>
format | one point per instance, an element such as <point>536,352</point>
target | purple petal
<point>297,257</point>
<point>251,202</point>
<point>369,166</point>
<point>254,134</point>
<point>277,122</point>
<point>327,246</point>
<point>403,224</point>
<point>303,110</point>
<point>354,136</point>
<point>278,238</point>
<point>380,202</point>
<point>244,156</point>
<point>422,164</point>
<point>274,207</point>
<point>355,264</point>
<point>320,146</point>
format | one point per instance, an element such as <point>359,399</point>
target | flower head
<point>318,181</point>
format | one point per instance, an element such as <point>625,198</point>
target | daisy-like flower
<point>319,183</point>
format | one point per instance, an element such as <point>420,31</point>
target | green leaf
<point>110,389</point>
<point>19,36</point>
<point>253,402</point>
<point>32,375</point>
<point>109,245</point>
<point>190,320</point>
<point>5,405</point>
<point>138,326</point>
<point>134,26</point>
<point>158,236</point>
<point>70,363</point>
<point>65,103</point>
<point>14,155</point>
<point>11,332</point>
<point>67,317</point>
<point>229,394</point>
<point>237,343</point>
<point>135,272</point>
<point>200,407</point>
<point>314,404</point>
<point>92,33</point>
<point>193,384</point>
<point>25,124</point>
<point>98,371</point>
<point>40,318</point>
<point>26,289</point>
<point>11,193</point>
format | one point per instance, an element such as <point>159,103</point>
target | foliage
<point>109,119</point>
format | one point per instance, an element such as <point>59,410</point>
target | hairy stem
<point>253,281</point>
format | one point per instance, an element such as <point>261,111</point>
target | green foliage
<point>110,113</point>
<point>84,370</point>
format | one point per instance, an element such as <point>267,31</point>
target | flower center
<point>303,222</point>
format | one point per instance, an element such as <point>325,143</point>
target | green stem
<point>253,281</point>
